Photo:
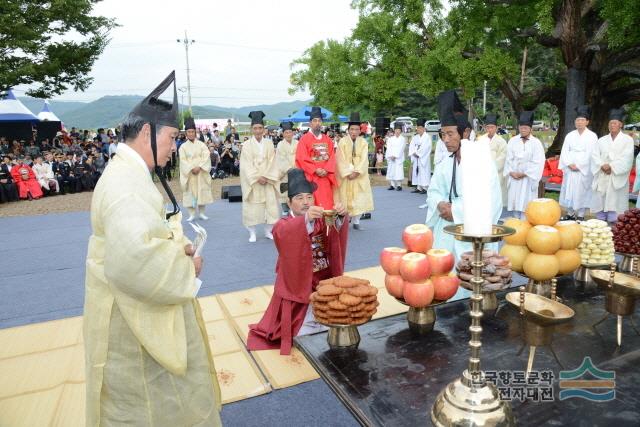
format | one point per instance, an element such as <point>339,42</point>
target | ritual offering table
<point>395,375</point>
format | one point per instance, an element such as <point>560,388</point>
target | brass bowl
<point>541,310</point>
<point>623,284</point>
<point>497,233</point>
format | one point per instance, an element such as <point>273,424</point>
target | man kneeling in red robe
<point>308,251</point>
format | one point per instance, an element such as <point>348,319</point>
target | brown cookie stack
<point>496,271</point>
<point>344,300</point>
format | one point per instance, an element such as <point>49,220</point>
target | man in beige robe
<point>498,147</point>
<point>195,180</point>
<point>147,356</point>
<point>286,159</point>
<point>259,179</point>
<point>353,172</point>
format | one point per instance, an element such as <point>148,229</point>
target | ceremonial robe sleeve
<point>303,158</point>
<point>294,259</point>
<point>362,167</point>
<point>205,158</point>
<point>535,166</point>
<point>623,162</point>
<point>344,167</point>
<point>501,154</point>
<point>248,172</point>
<point>271,172</point>
<point>596,158</point>
<point>565,156</point>
<point>338,246</point>
<point>437,192</point>
<point>509,162</point>
<point>141,261</point>
<point>282,158</point>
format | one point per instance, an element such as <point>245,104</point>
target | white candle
<point>477,169</point>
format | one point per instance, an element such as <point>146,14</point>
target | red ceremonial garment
<point>551,171</point>
<point>311,154</point>
<point>28,185</point>
<point>303,260</point>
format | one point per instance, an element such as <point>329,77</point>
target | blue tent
<point>12,110</point>
<point>300,116</point>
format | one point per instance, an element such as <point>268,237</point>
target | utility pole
<point>484,99</point>
<point>186,43</point>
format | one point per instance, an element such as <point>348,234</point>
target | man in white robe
<point>441,151</point>
<point>420,155</point>
<point>147,355</point>
<point>44,175</point>
<point>260,180</point>
<point>611,163</point>
<point>352,161</point>
<point>286,159</point>
<point>523,167</point>
<point>395,158</point>
<point>498,147</point>
<point>444,197</point>
<point>195,179</point>
<point>575,163</point>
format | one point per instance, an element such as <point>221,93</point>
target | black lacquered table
<point>394,376</point>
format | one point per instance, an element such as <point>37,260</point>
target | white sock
<point>355,219</point>
<point>191,211</point>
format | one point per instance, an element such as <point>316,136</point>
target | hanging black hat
<point>617,114</point>
<point>491,119</point>
<point>189,123</point>
<point>286,126</point>
<point>354,118</point>
<point>256,118</point>
<point>451,112</point>
<point>583,111</point>
<point>315,113</point>
<point>421,122</point>
<point>526,118</point>
<point>155,110</point>
<point>397,125</point>
<point>298,183</point>
<point>160,113</point>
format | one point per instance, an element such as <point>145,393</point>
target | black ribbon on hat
<point>160,173</point>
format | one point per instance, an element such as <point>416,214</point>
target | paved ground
<point>42,268</point>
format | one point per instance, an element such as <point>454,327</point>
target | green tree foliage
<point>50,45</point>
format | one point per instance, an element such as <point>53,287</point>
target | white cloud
<point>242,50</point>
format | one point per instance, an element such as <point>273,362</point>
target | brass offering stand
<point>583,273</point>
<point>422,319</point>
<point>540,315</point>
<point>620,297</point>
<point>342,336</point>
<point>628,263</point>
<point>470,400</point>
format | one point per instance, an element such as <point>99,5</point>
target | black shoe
<point>416,191</point>
<point>357,227</point>
<point>580,218</point>
<point>423,192</point>
<point>366,216</point>
<point>568,218</point>
<point>398,188</point>
<point>391,187</point>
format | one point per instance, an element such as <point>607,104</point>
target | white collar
<point>126,149</point>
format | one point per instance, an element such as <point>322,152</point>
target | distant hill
<point>108,111</point>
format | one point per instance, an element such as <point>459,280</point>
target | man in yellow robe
<point>147,356</point>
<point>286,159</point>
<point>353,172</point>
<point>259,179</point>
<point>195,180</point>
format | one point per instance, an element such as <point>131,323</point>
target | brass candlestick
<point>470,400</point>
<point>620,298</point>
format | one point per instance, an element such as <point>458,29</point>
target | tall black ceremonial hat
<point>286,126</point>
<point>451,112</point>
<point>256,118</point>
<point>583,111</point>
<point>617,114</point>
<point>189,123</point>
<point>491,119</point>
<point>315,113</point>
<point>298,183</point>
<point>421,122</point>
<point>526,118</point>
<point>157,111</point>
<point>354,118</point>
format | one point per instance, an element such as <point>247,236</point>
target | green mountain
<point>108,111</point>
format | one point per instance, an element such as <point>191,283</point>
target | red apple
<point>445,286</point>
<point>441,261</point>
<point>390,259</point>
<point>418,238</point>
<point>414,267</point>
<point>418,294</point>
<point>394,285</point>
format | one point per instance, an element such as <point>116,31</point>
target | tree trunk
<point>575,95</point>
<point>556,145</point>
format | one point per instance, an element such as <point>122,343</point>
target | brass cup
<point>622,305</point>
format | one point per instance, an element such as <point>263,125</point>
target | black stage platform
<point>394,376</point>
